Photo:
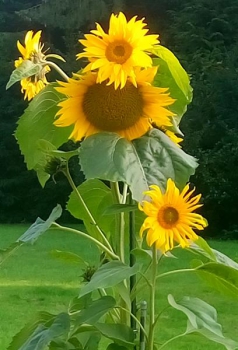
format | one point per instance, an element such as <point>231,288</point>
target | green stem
<point>152,299</point>
<point>57,68</point>
<point>87,211</point>
<point>121,221</point>
<point>142,275</point>
<point>136,320</point>
<point>172,339</point>
<point>83,234</point>
<point>174,272</point>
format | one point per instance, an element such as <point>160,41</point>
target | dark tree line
<point>204,37</point>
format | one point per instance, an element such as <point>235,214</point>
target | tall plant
<point>125,107</point>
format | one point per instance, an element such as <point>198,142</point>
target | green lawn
<point>32,280</point>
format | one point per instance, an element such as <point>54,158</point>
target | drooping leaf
<point>97,197</point>
<point>151,159</point>
<point>20,338</point>
<point>202,247</point>
<point>108,275</point>
<point>78,304</point>
<point>110,157</point>
<point>162,159</point>
<point>26,69</point>
<point>37,124</point>
<point>95,311</point>
<point>172,75</point>
<point>220,277</point>
<point>119,333</point>
<point>44,334</point>
<point>40,226</point>
<point>202,319</point>
<point>68,257</point>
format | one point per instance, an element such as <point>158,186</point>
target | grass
<point>33,280</point>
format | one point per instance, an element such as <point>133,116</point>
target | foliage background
<point>203,35</point>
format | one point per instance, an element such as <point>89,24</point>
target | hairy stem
<point>152,299</point>
<point>86,210</point>
<point>83,234</point>
<point>57,68</point>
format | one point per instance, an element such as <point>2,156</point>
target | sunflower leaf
<point>37,124</point>
<point>161,159</point>
<point>202,319</point>
<point>25,70</point>
<point>172,75</point>
<point>151,159</point>
<point>97,197</point>
<point>223,278</point>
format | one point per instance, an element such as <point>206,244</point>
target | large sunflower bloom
<point>95,107</point>
<point>33,52</point>
<point>170,217</point>
<point>117,53</point>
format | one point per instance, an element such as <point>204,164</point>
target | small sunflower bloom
<point>97,107</point>
<point>32,51</point>
<point>116,54</point>
<point>171,217</point>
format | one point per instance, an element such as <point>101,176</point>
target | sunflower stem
<point>152,299</point>
<point>66,172</point>
<point>83,234</point>
<point>57,68</point>
<point>120,242</point>
<point>132,244</point>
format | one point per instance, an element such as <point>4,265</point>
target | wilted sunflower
<point>32,52</point>
<point>117,53</point>
<point>93,107</point>
<point>170,217</point>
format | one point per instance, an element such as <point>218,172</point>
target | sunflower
<point>33,52</point>
<point>170,217</point>
<point>95,107</point>
<point>117,53</point>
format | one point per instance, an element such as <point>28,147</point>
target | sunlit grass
<point>33,280</point>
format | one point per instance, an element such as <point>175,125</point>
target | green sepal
<point>25,70</point>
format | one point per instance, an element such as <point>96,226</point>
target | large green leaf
<point>109,275</point>
<point>220,277</point>
<point>40,226</point>
<point>151,159</point>
<point>44,334</point>
<point>25,333</point>
<point>162,159</point>
<point>26,69</point>
<point>111,157</point>
<point>68,257</point>
<point>173,76</point>
<point>97,197</point>
<point>95,311</point>
<point>119,333</point>
<point>37,124</point>
<point>202,319</point>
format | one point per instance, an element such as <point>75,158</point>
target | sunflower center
<point>112,110</point>
<point>118,51</point>
<point>168,217</point>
